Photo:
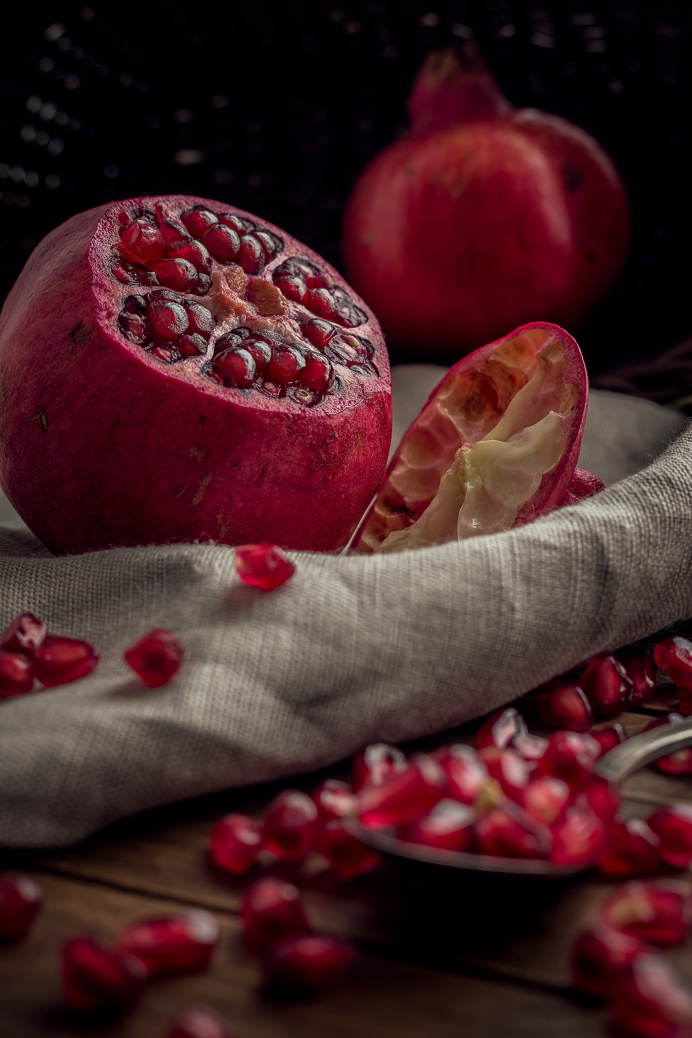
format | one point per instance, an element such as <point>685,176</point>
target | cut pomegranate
<point>59,660</point>
<point>482,216</point>
<point>578,837</point>
<point>404,796</point>
<point>652,1000</point>
<point>507,831</point>
<point>680,761</point>
<point>308,964</point>
<point>182,943</point>
<point>174,307</point>
<point>639,665</point>
<point>495,445</point>
<point>599,957</point>
<point>348,856</point>
<point>607,686</point>
<point>562,704</point>
<point>545,798</point>
<point>449,826</point>
<point>97,979</point>
<point>673,826</point>
<point>198,1022</point>
<point>155,657</point>
<point>608,737</point>
<point>658,911</point>
<point>631,849</point>
<point>20,900</point>
<point>270,911</point>
<point>335,799</point>
<point>235,842</point>
<point>16,674</point>
<point>25,634</point>
<point>508,769</point>
<point>375,763</point>
<point>290,825</point>
<point>570,756</point>
<point>583,484</point>
<point>264,566</point>
<point>500,728</point>
<point>466,773</point>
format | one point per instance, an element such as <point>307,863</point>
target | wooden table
<point>442,956</point>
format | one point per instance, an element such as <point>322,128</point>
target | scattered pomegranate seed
<point>599,957</point>
<point>677,763</point>
<point>578,837</point>
<point>198,1022</point>
<point>181,943</point>
<point>508,831</point>
<point>290,825</point>
<point>60,660</point>
<point>658,911</point>
<point>674,656</point>
<point>264,566</point>
<point>602,796</point>
<point>348,856</point>
<point>607,686</point>
<point>20,900</point>
<point>404,796</point>
<point>449,826</point>
<point>563,704</point>
<point>609,736</point>
<point>530,747</point>
<point>335,799</point>
<point>673,826</point>
<point>270,911</point>
<point>16,674</point>
<point>500,728</point>
<point>155,657</point>
<point>545,798</point>
<point>308,964</point>
<point>25,634</point>
<point>570,756</point>
<point>508,769</point>
<point>235,842</point>
<point>375,763</point>
<point>651,1000</point>
<point>639,665</point>
<point>631,849</point>
<point>98,979</point>
<point>466,773</point>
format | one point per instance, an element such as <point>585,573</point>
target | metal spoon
<point>617,765</point>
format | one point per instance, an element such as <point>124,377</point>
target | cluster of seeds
<point>168,325</point>
<point>301,281</point>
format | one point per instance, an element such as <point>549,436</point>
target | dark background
<point>276,106</point>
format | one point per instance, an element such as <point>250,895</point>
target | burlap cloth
<point>353,649</point>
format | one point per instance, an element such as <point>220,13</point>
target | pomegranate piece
<point>404,796</point>
<point>507,831</point>
<point>500,728</point>
<point>545,798</point>
<point>508,769</point>
<point>657,911</point>
<point>335,799</point>
<point>290,825</point>
<point>639,665</point>
<point>449,478</point>
<point>570,756</point>
<point>308,964</point>
<point>271,911</point>
<point>60,660</point>
<point>673,827</point>
<point>680,761</point>
<point>375,763</point>
<point>466,773</point>
<point>631,849</point>
<point>583,484</point>
<point>20,900</point>
<point>608,737</point>
<point>124,310</point>
<point>562,704</point>
<point>607,686</point>
<point>348,856</point>
<point>541,225</point>
<point>599,957</point>
<point>155,657</point>
<point>235,842</point>
<point>449,826</point>
<point>181,943</point>
<point>16,674</point>
<point>198,1022</point>
<point>651,1000</point>
<point>25,634</point>
<point>578,837</point>
<point>264,566</point>
<point>98,979</point>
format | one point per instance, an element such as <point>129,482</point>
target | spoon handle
<point>622,761</point>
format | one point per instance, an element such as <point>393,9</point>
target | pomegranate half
<point>482,217</point>
<point>496,445</point>
<point>174,369</point>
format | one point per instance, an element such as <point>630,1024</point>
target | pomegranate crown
<point>454,85</point>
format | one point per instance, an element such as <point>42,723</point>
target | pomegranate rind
<point>104,445</point>
<point>471,404</point>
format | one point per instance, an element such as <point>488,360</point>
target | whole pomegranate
<point>174,369</point>
<point>482,218</point>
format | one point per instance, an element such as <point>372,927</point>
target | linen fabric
<point>353,649</point>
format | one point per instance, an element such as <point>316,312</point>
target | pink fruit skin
<point>105,446</point>
<point>483,217</point>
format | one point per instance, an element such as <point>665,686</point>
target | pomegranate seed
<point>198,220</point>
<point>545,798</point>
<point>318,373</point>
<point>510,770</point>
<point>631,849</point>
<point>674,656</point>
<point>222,242</point>
<point>651,1000</point>
<point>200,320</point>
<point>260,352</point>
<point>20,900</point>
<point>167,352</point>
<point>270,911</point>
<point>375,763</point>
<point>673,826</point>
<point>192,251</point>
<point>198,1022</point>
<point>235,222</point>
<point>155,657</point>
<point>287,364</point>
<point>191,345</point>
<point>677,763</point>
<point>263,566</point>
<point>602,796</point>
<point>141,239</point>
<point>235,842</point>
<point>236,367</point>
<point>292,286</point>
<point>169,230</point>
<point>564,705</point>
<point>98,979</point>
<point>25,634</point>
<point>404,796</point>
<point>318,332</point>
<point>658,911</point>
<point>180,943</point>
<point>607,686</point>
<point>270,244</point>
<point>609,736</point>
<point>639,666</point>
<point>507,831</point>
<point>60,660</point>
<point>321,302</point>
<point>599,958</point>
<point>335,799</point>
<point>290,825</point>
<point>251,254</point>
<point>308,964</point>
<point>166,320</point>
<point>578,837</point>
<point>466,773</point>
<point>570,756</point>
<point>449,826</point>
<point>134,327</point>
<point>500,728</point>
<point>348,856</point>
<point>530,747</point>
<point>179,274</point>
<point>16,674</point>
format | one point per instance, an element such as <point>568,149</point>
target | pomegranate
<point>483,217</point>
<point>496,445</point>
<point>236,386</point>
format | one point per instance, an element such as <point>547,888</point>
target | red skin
<point>482,218</point>
<point>104,445</point>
